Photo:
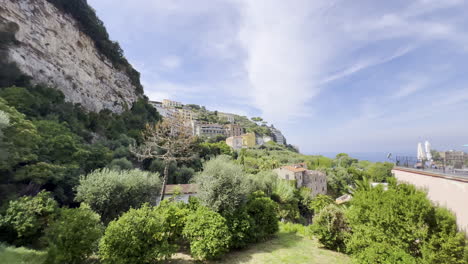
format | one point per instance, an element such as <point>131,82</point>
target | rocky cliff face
<point>52,50</point>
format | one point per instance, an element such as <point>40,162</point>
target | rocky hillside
<point>50,47</point>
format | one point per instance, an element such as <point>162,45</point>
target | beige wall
<point>444,192</point>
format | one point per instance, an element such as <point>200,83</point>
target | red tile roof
<point>183,188</point>
<point>293,169</point>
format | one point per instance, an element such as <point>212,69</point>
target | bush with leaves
<point>120,164</point>
<point>28,216</point>
<point>207,233</point>
<point>74,236</point>
<point>110,193</point>
<point>383,253</point>
<point>223,186</point>
<point>319,202</point>
<point>446,244</point>
<point>240,225</point>
<point>403,218</point>
<point>331,228</point>
<point>138,236</point>
<point>263,212</point>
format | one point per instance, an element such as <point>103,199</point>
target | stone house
<point>314,180</point>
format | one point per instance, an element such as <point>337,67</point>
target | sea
<point>370,156</point>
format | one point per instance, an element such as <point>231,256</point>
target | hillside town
<point>214,124</point>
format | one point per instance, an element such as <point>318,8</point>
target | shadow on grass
<point>279,241</point>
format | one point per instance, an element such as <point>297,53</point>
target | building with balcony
<point>170,103</point>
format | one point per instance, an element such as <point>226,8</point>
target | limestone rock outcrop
<point>52,50</point>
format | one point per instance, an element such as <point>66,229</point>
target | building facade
<point>170,103</point>
<point>235,142</point>
<point>233,130</point>
<point>316,181</point>
<point>207,129</point>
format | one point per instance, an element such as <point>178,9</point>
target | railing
<point>441,166</point>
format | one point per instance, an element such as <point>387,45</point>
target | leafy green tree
<point>120,164</point>
<point>207,233</point>
<point>20,139</point>
<point>402,218</point>
<point>240,225</point>
<point>319,202</point>
<point>446,244</point>
<point>29,216</point>
<point>380,172</point>
<point>331,227</point>
<point>339,181</point>
<point>263,212</point>
<point>74,236</point>
<point>264,181</point>
<point>138,236</point>
<point>383,253</point>
<point>110,193</point>
<point>222,185</point>
<point>344,160</point>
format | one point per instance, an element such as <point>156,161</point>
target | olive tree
<point>110,193</point>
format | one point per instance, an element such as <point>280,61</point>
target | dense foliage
<point>223,186</point>
<point>138,236</point>
<point>111,193</point>
<point>331,227</point>
<point>74,235</point>
<point>263,212</point>
<point>49,142</point>
<point>404,224</point>
<point>26,218</point>
<point>207,233</point>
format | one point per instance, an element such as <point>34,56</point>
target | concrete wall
<point>449,193</point>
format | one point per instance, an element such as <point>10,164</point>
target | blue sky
<point>351,76</point>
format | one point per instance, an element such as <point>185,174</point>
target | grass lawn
<point>285,248</point>
<point>12,255</point>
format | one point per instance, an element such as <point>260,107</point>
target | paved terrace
<point>447,190</point>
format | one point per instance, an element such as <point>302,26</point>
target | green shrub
<point>138,236</point>
<point>446,244</point>
<point>120,164</point>
<point>240,226</point>
<point>29,216</point>
<point>382,253</point>
<point>331,228</point>
<point>319,202</point>
<point>174,215</point>
<point>74,236</point>
<point>207,233</point>
<point>263,212</point>
<point>402,218</point>
<point>223,186</point>
<point>111,193</point>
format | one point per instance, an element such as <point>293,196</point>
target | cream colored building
<point>170,103</point>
